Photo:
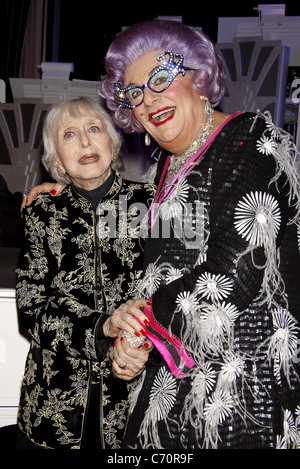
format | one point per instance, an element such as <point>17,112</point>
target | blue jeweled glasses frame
<point>173,70</point>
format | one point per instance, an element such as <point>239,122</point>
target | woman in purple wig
<point>221,257</point>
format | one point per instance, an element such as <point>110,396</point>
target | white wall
<point>13,351</point>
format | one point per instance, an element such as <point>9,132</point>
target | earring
<point>208,108</point>
<point>147,140</point>
<point>60,172</point>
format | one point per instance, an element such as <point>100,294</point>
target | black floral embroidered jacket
<point>76,266</point>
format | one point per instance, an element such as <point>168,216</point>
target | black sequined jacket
<point>76,266</point>
<point>224,278</point>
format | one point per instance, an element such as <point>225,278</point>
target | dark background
<point>81,31</point>
<point>86,31</point>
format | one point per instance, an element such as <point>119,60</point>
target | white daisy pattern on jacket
<point>266,145</point>
<point>218,407</point>
<point>283,343</point>
<point>174,204</point>
<point>161,400</point>
<point>291,426</point>
<point>204,381</point>
<point>211,286</point>
<point>187,302</point>
<point>217,325</point>
<point>152,279</point>
<point>231,369</point>
<point>257,218</point>
<point>163,393</point>
<point>173,274</point>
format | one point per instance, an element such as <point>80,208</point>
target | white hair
<point>75,107</point>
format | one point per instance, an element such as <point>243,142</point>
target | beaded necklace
<point>177,161</point>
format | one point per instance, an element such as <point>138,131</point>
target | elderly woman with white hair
<point>73,275</point>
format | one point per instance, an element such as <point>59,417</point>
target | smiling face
<point>174,117</point>
<point>84,150</point>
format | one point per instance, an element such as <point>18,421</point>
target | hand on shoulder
<point>52,188</point>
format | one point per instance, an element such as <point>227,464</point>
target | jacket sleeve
<point>247,219</point>
<point>52,316</point>
<point>33,273</point>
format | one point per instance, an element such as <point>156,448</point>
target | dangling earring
<point>60,172</point>
<point>147,140</point>
<point>208,108</point>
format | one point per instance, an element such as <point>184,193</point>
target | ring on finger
<point>125,309</point>
<point>132,339</point>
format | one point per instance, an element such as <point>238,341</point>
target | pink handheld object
<point>169,347</point>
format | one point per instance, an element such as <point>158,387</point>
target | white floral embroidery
<point>257,216</point>
<point>202,255</point>
<point>163,393</point>
<point>204,381</point>
<point>162,399</point>
<point>291,432</point>
<point>213,286</point>
<point>172,274</point>
<point>217,325</point>
<point>231,369</point>
<point>218,316</point>
<point>187,302</point>
<point>266,145</point>
<point>271,128</point>
<point>151,280</point>
<point>283,343</point>
<point>285,153</point>
<point>174,204</point>
<point>218,407</point>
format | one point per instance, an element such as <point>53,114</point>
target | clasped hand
<point>128,361</point>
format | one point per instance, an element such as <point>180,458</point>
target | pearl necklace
<point>177,161</point>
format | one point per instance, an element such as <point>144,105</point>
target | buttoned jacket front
<point>78,263</point>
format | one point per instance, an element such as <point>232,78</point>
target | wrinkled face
<point>174,117</point>
<point>84,150</point>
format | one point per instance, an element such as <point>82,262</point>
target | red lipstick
<point>90,158</point>
<point>161,116</point>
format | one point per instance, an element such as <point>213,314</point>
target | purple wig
<point>198,51</point>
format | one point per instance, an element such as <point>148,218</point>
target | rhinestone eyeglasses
<point>159,81</point>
